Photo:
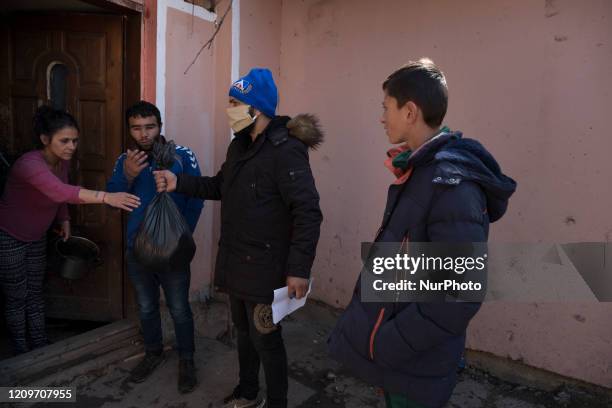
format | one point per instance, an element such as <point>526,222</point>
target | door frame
<point>118,6</point>
<point>131,93</point>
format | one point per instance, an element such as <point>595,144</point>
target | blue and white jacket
<point>144,187</point>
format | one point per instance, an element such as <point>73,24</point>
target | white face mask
<point>239,117</point>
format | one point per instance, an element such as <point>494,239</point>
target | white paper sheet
<point>283,305</point>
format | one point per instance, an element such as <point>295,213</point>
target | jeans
<point>255,347</point>
<point>175,284</point>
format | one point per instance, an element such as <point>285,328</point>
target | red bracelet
<point>103,197</point>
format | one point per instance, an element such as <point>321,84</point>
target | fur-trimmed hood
<point>306,128</point>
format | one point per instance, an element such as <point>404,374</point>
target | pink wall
<point>192,115</point>
<point>529,79</point>
<point>223,63</point>
<point>260,43</point>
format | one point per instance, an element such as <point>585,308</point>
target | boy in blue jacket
<point>134,173</point>
<point>446,189</point>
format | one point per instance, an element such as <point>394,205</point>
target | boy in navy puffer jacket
<point>446,189</point>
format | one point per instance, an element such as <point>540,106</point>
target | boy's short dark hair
<point>423,83</point>
<point>143,109</point>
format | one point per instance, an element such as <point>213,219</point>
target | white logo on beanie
<point>243,86</point>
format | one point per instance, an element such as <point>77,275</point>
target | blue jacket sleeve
<point>194,206</point>
<point>118,182</point>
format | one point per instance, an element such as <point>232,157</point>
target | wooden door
<point>76,60</point>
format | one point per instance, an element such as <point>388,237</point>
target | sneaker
<point>234,400</point>
<point>187,379</point>
<point>145,367</point>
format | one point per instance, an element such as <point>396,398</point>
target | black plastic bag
<point>164,240</point>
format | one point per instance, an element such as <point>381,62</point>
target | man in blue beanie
<point>270,221</point>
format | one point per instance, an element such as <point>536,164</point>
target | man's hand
<point>165,180</point>
<point>134,163</point>
<point>298,287</point>
<point>65,230</point>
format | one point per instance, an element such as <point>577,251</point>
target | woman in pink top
<point>35,196</point>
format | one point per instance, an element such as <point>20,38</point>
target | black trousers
<point>259,341</point>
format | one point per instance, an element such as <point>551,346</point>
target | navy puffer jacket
<point>455,190</point>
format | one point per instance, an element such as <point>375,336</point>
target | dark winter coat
<point>270,215</point>
<point>456,188</point>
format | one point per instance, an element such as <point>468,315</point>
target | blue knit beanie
<point>257,89</point>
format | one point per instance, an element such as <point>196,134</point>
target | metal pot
<point>79,255</point>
